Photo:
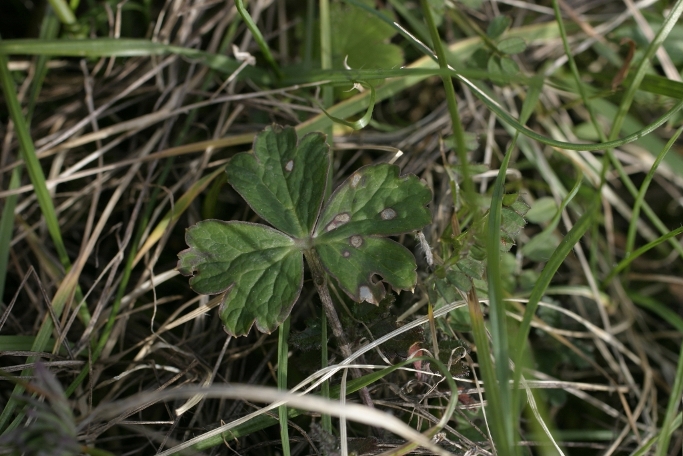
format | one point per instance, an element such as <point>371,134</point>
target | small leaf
<point>493,67</point>
<point>509,66</point>
<point>541,246</point>
<point>471,267</point>
<point>459,280</point>
<point>498,26</point>
<point>513,45</point>
<point>260,268</point>
<point>511,222</point>
<point>282,179</point>
<point>509,198</point>
<point>520,207</point>
<point>542,210</point>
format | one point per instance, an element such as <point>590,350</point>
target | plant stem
<point>320,281</point>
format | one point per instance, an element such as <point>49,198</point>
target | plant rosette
<point>260,268</point>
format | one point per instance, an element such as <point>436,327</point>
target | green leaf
<point>375,201</point>
<point>542,210</point>
<point>355,267</point>
<point>361,40</point>
<point>260,268</point>
<point>541,246</point>
<point>498,26</point>
<point>509,66</point>
<point>513,45</point>
<point>282,179</point>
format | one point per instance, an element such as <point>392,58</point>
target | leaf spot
<point>366,295</point>
<point>289,166</point>
<point>355,180</point>
<point>338,220</point>
<point>346,253</point>
<point>388,214</point>
<point>356,241</point>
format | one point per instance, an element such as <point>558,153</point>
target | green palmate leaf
<point>260,268</point>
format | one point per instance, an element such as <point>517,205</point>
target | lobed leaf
<point>283,179</point>
<point>355,261</point>
<point>260,268</point>
<point>374,201</point>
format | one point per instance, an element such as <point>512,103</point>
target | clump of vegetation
<point>480,200</point>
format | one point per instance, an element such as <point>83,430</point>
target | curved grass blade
<point>640,199</point>
<point>629,259</point>
<point>239,4</point>
<point>363,121</point>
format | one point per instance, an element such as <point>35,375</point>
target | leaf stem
<point>320,281</point>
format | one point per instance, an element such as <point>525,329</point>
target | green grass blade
<point>64,13</point>
<point>629,259</point>
<point>458,131</point>
<point>659,308</point>
<point>126,47</point>
<point>627,98</point>
<point>498,317</point>
<point>7,227</point>
<point>28,154</point>
<point>258,36</point>
<point>671,409</point>
<point>572,238</point>
<point>282,362</point>
<point>640,199</point>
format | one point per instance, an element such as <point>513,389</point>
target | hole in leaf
<point>289,166</point>
<point>366,295</point>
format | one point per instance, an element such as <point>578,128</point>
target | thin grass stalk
<point>7,227</point>
<point>282,363</point>
<point>640,199</point>
<point>643,67</point>
<point>327,101</point>
<point>554,262</point>
<point>502,428</point>
<point>623,264</point>
<point>671,409</point>
<point>452,101</point>
<point>48,30</point>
